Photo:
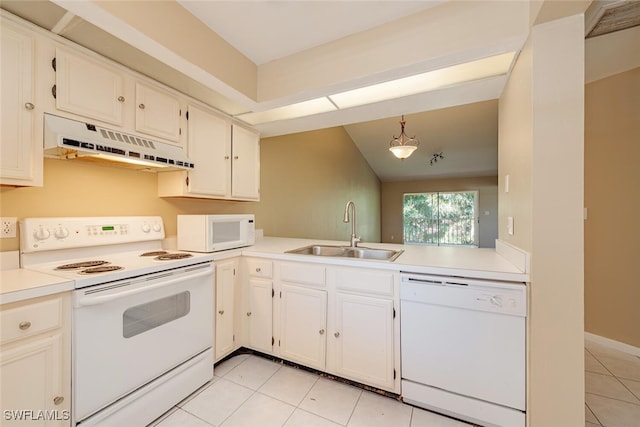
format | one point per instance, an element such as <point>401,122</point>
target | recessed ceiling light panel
<point>419,83</point>
<point>301,109</point>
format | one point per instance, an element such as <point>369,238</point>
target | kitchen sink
<point>347,252</point>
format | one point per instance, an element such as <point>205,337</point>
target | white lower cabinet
<point>303,325</point>
<point>226,273</point>
<point>364,330</point>
<point>341,320</point>
<point>35,363</point>
<point>259,307</point>
<point>361,341</point>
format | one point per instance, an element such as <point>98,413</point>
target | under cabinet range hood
<point>71,139</point>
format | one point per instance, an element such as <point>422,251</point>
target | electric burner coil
<point>81,265</point>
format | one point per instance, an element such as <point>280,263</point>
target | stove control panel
<point>43,234</point>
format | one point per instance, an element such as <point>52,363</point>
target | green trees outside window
<point>441,218</point>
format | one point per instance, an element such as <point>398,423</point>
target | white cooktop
<point>105,243</point>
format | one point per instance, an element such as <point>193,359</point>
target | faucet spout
<point>353,239</point>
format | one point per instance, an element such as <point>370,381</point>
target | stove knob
<point>157,228</point>
<point>41,233</point>
<point>146,228</point>
<point>61,233</point>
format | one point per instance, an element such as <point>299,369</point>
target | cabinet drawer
<point>29,320</point>
<point>304,274</point>
<point>260,268</point>
<point>364,281</point>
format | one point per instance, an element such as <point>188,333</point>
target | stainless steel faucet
<point>354,239</point>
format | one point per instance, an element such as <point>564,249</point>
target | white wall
<point>541,138</point>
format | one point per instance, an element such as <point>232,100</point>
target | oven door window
<point>147,316</point>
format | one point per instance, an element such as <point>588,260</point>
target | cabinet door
<point>210,151</point>
<point>21,160</point>
<point>260,314</point>
<point>363,339</point>
<point>31,375</point>
<point>245,169</point>
<point>157,113</point>
<point>303,315</point>
<point>224,315</point>
<point>88,88</point>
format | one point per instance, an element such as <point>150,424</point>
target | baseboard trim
<point>608,342</point>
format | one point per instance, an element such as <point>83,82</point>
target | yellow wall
<point>541,138</point>
<point>306,180</point>
<point>391,197</point>
<point>612,175</point>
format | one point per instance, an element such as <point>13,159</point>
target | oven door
<point>127,333</point>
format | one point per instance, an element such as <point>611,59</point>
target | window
<point>441,218</point>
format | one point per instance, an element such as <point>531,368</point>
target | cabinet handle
<point>235,157</point>
<point>337,334</point>
<point>221,311</point>
<point>58,400</point>
<point>258,270</point>
<point>121,98</point>
<point>321,331</point>
<point>226,157</point>
<point>141,106</point>
<point>29,106</point>
<point>248,313</point>
<point>24,325</point>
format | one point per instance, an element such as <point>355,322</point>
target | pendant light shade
<point>403,146</point>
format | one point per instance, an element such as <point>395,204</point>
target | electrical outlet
<point>9,226</point>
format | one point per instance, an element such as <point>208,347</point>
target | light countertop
<point>482,263</point>
<point>19,284</point>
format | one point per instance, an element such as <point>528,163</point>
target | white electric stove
<point>142,316</point>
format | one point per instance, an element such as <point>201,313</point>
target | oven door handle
<point>85,300</point>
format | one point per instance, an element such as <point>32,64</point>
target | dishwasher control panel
<point>474,294</point>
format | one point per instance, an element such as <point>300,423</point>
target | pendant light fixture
<point>403,146</point>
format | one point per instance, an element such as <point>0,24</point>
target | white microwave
<point>212,233</point>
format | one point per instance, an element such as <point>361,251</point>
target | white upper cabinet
<point>209,151</point>
<point>21,160</point>
<point>158,113</point>
<point>245,169</point>
<point>89,88</point>
<point>226,158</point>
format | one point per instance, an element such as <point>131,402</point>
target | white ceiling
<point>268,30</point>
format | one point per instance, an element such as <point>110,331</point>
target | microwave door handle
<point>86,300</point>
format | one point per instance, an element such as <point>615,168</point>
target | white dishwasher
<point>463,347</point>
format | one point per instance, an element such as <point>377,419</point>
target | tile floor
<point>612,387</point>
<point>250,391</point>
